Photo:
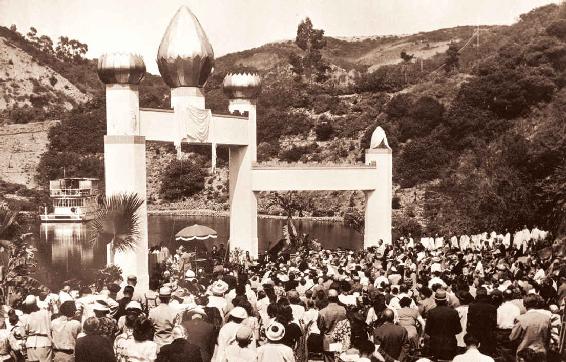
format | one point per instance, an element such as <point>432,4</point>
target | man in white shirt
<point>472,354</point>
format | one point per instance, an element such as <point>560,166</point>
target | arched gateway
<point>185,59</point>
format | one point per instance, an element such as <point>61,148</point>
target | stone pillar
<point>193,96</point>
<point>125,170</point>
<point>378,202</point>
<point>243,201</point>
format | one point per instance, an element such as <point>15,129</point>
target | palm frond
<point>117,221</point>
<point>7,221</point>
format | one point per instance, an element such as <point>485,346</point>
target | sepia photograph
<point>283,180</point>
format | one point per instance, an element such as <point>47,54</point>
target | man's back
<point>163,318</point>
<point>472,355</point>
<point>533,331</point>
<point>275,352</point>
<point>329,316</point>
<point>201,333</point>
<point>179,351</point>
<point>392,339</point>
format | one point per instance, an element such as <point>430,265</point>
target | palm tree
<point>8,222</point>
<point>117,222</point>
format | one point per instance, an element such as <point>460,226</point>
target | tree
<point>354,219</point>
<point>310,41</point>
<point>117,222</point>
<point>406,56</point>
<point>182,178</point>
<point>32,35</point>
<point>45,44</point>
<point>452,58</point>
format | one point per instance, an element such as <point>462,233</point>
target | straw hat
<point>30,300</point>
<point>190,275</point>
<point>275,332</point>
<point>165,292</point>
<point>219,287</point>
<point>133,305</point>
<point>239,312</point>
<point>440,295</point>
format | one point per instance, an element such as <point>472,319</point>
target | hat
<point>134,305</point>
<point>165,292</point>
<point>440,295</point>
<point>275,332</point>
<point>244,334</point>
<point>219,287</point>
<point>239,312</point>
<point>132,277</point>
<point>100,306</point>
<point>30,300</point>
<point>190,275</point>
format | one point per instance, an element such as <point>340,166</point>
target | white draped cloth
<point>193,125</point>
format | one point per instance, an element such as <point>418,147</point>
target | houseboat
<point>74,200</point>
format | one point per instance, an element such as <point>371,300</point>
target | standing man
<point>442,325</point>
<point>532,329</point>
<point>37,328</point>
<point>482,322</point>
<point>163,318</point>
<point>392,339</point>
<point>327,319</point>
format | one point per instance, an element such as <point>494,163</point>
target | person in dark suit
<point>442,326</point>
<point>393,339</point>
<point>93,347</point>
<point>180,350</point>
<point>200,332</point>
<point>328,317</point>
<point>482,322</point>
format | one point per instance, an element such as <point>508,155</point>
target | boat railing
<point>71,192</point>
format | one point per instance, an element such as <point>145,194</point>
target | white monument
<point>185,60</point>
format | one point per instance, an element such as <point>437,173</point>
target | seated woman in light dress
<point>409,318</point>
<point>142,348</point>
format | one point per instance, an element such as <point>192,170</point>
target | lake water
<point>64,252</point>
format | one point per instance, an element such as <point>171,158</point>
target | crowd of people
<point>399,302</point>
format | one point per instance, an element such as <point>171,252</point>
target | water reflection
<point>64,252</point>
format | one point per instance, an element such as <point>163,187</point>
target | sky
<point>233,25</point>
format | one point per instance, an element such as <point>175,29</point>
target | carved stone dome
<point>120,68</point>
<point>185,57</point>
<point>242,85</point>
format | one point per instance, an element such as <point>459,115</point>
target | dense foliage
<point>76,144</point>
<point>182,178</point>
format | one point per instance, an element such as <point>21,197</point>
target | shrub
<point>267,150</point>
<point>182,178</point>
<point>295,153</point>
<point>422,160</point>
<point>324,131</point>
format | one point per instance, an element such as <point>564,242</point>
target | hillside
<point>478,133</point>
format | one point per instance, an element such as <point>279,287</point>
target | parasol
<point>198,232</point>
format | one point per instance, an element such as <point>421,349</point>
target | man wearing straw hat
<point>163,318</point>
<point>274,350</point>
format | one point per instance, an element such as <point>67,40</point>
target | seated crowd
<point>400,302</point>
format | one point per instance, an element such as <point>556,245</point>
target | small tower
<point>378,201</point>
<point>124,150</point>
<point>185,59</point>
<point>242,90</point>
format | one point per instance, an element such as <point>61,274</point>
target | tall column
<point>243,201</point>
<point>125,170</point>
<point>378,202</point>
